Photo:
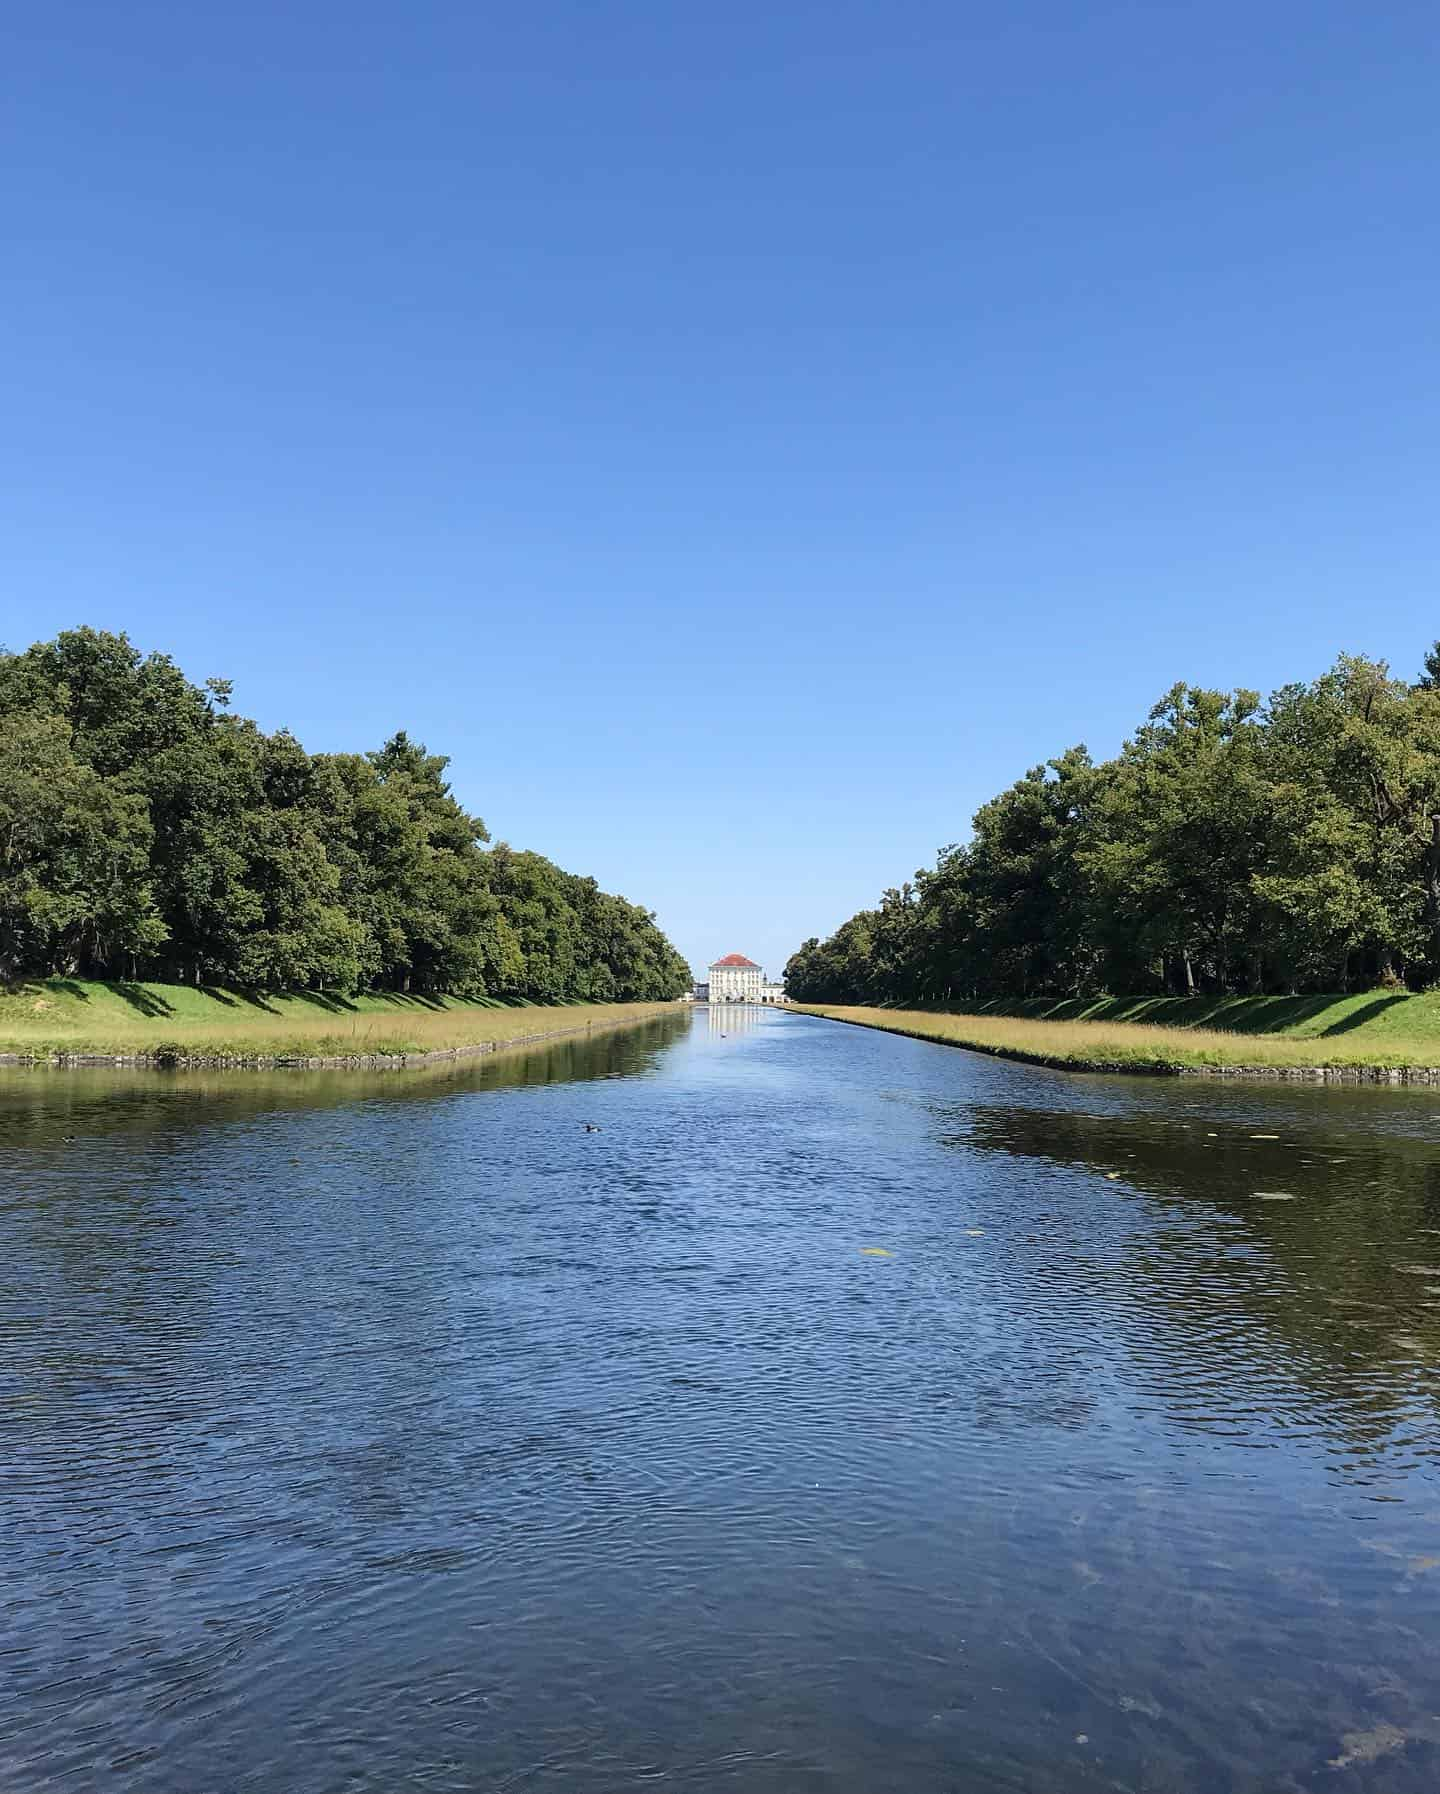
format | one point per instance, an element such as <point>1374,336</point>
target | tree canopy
<point>1231,845</point>
<point>146,831</point>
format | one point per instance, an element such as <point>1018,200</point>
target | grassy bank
<point>1376,1029</point>
<point>47,1018</point>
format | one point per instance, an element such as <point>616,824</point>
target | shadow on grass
<point>153,1004</point>
<point>39,987</point>
<point>402,999</point>
<point>1233,1014</point>
<point>1363,1015</point>
<point>232,997</point>
<point>138,997</point>
<point>68,985</point>
<point>332,1003</point>
<point>1236,1015</point>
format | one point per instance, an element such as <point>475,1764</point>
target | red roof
<point>734,959</point>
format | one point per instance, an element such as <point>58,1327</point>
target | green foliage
<point>147,832</point>
<point>1230,846</point>
<point>74,855</point>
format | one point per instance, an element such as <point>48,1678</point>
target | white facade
<point>736,979</point>
<point>773,992</point>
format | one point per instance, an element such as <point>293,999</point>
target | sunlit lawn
<point>68,1015</point>
<point>1374,1029</point>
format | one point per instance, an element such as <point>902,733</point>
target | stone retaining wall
<point>1318,1074</point>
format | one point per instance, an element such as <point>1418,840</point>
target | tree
<point>1229,845</point>
<point>1178,840</point>
<point>144,822</point>
<point>1028,883</point>
<point>74,857</point>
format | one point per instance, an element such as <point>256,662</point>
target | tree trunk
<point>1189,973</point>
<point>1432,895</point>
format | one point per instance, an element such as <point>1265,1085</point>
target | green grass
<point>1377,1028</point>
<point>1377,1014</point>
<point>43,1017</point>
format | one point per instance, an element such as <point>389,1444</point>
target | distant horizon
<point>829,915</point>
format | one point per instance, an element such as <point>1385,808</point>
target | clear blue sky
<point>743,437</point>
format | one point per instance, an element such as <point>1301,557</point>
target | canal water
<point>846,1414</point>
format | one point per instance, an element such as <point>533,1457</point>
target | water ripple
<point>367,1434</point>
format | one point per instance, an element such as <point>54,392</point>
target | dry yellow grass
<point>38,1019</point>
<point>1134,1046</point>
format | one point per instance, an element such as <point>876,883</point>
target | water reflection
<point>399,1432</point>
<point>735,1020</point>
<point>1279,1261</point>
<point>51,1104</point>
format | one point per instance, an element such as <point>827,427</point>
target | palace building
<point>736,979</point>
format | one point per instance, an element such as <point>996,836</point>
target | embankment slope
<point>1373,1034</point>
<point>58,1018</point>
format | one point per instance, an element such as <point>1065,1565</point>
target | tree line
<point>148,832</point>
<point>1232,845</point>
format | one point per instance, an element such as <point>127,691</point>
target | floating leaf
<point>875,1252</point>
<point>1365,1747</point>
<point>1136,1703</point>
